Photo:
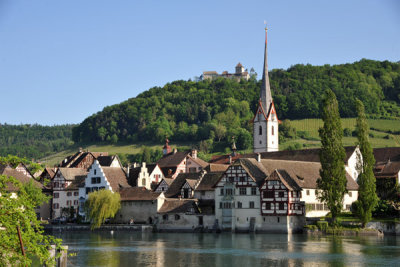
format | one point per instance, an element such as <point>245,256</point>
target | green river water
<point>124,248</point>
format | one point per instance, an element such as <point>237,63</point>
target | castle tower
<point>265,121</point>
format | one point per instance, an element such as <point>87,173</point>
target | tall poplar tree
<point>332,182</point>
<point>367,198</point>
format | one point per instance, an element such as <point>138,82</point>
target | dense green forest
<point>208,113</point>
<point>34,141</point>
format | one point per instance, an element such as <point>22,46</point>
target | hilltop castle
<point>240,73</point>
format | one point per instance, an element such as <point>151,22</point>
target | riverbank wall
<point>106,227</point>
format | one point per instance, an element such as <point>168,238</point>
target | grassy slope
<point>379,139</point>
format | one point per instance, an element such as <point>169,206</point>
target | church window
<point>143,181</point>
<point>260,130</point>
<point>272,130</point>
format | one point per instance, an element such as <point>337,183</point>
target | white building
<point>145,175</point>
<point>265,121</point>
<point>98,177</point>
<point>238,200</point>
<point>66,184</point>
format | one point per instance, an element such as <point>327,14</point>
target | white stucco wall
<point>312,199</point>
<point>185,222</point>
<point>206,195</point>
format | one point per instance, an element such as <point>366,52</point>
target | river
<point>123,248</point>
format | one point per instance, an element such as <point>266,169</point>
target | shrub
<point>322,225</point>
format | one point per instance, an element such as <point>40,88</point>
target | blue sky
<point>61,61</point>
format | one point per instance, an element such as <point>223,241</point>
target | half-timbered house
<point>280,195</point>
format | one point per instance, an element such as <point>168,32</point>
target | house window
<point>260,130</point>
<point>192,169</point>
<point>307,192</point>
<point>239,205</point>
<point>95,180</point>
<point>267,206</point>
<point>241,179</point>
<point>281,206</point>
<point>177,217</point>
<point>242,191</point>
<point>220,205</point>
<point>268,194</point>
<point>350,194</point>
<point>56,195</point>
<point>156,177</point>
<point>144,182</point>
<point>55,184</point>
<point>88,190</point>
<point>68,203</point>
<point>95,171</point>
<point>254,191</point>
<point>76,194</point>
<point>69,194</point>
<point>251,204</point>
<point>203,193</point>
<point>165,217</point>
<point>272,130</point>
<point>291,193</point>
<point>76,202</point>
<point>102,187</point>
<point>56,205</point>
<point>280,194</point>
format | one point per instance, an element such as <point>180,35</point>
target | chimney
<point>194,153</point>
<point>258,157</point>
<point>135,165</point>
<point>230,159</point>
<point>80,149</point>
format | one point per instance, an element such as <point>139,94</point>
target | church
<point>272,190</point>
<point>265,121</point>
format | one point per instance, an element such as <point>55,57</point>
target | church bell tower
<point>265,121</point>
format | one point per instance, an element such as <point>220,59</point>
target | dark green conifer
<point>332,183</point>
<point>367,198</point>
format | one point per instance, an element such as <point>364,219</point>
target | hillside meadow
<point>383,133</point>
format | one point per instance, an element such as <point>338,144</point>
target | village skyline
<point>82,57</point>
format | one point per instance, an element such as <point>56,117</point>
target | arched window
<point>260,130</point>
<point>272,130</point>
<point>144,181</point>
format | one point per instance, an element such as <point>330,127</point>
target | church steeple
<point>265,94</point>
<point>265,121</point>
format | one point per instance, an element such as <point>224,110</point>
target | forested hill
<point>34,141</point>
<point>214,110</point>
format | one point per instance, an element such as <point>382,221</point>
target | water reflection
<point>144,249</point>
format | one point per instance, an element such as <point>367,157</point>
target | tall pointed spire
<point>265,95</point>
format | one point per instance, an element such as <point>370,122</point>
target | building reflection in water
<point>226,249</point>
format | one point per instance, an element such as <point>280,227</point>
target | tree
<point>17,214</point>
<point>333,177</point>
<point>220,131</point>
<point>367,198</point>
<point>101,205</point>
